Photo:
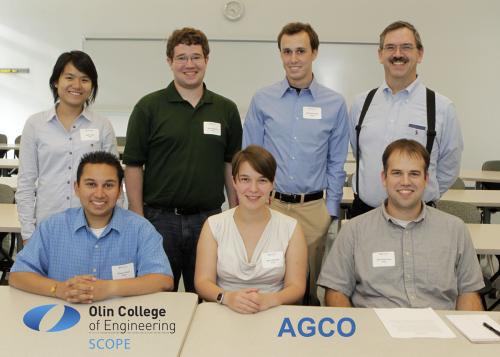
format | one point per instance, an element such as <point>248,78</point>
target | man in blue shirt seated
<point>96,251</point>
<point>403,253</point>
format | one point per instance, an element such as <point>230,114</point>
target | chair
<point>16,152</point>
<point>458,185</point>
<point>3,140</point>
<point>121,140</point>
<point>6,196</point>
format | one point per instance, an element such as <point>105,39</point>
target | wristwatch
<point>220,298</point>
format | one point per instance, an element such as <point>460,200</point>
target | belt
<point>298,197</point>
<point>180,211</point>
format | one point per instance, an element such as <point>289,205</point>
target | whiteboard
<point>129,68</point>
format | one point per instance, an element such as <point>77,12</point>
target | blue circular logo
<point>33,317</point>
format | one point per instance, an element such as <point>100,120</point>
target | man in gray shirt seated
<point>404,253</point>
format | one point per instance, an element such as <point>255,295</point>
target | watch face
<point>219,298</point>
<point>233,10</point>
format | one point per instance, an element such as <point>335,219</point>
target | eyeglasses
<point>405,47</point>
<point>197,59</point>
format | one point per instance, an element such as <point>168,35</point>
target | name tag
<point>211,128</point>
<point>125,271</point>
<point>272,260</point>
<point>383,259</point>
<point>311,112</point>
<point>89,134</point>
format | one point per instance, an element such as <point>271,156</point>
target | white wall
<point>461,39</point>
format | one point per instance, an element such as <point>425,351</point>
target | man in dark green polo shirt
<point>180,142</point>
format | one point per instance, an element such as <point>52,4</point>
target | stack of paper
<point>411,323</point>
<point>472,326</point>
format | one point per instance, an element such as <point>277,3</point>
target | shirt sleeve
<point>338,271</point>
<point>137,136</point>
<point>253,127</point>
<point>33,257</point>
<point>469,275</point>
<point>450,151</point>
<point>151,257</point>
<point>337,153</point>
<point>234,134</point>
<point>26,180</point>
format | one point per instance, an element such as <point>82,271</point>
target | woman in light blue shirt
<point>53,142</point>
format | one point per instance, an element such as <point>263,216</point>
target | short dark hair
<point>409,147</point>
<point>259,158</point>
<point>295,27</point>
<point>398,25</point>
<point>187,36</point>
<point>83,63</point>
<point>100,157</point>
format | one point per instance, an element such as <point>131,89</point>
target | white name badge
<point>89,134</point>
<point>125,271</point>
<point>211,128</point>
<point>272,260</point>
<point>383,259</point>
<point>311,112</point>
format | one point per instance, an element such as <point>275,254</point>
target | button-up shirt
<point>378,263</point>
<point>307,133</point>
<point>404,115</point>
<point>48,160</point>
<point>64,246</point>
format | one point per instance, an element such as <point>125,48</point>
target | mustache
<point>399,59</point>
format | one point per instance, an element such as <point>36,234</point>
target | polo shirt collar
<point>174,96</point>
<point>116,222</point>
<point>393,220</point>
<point>52,115</point>
<point>313,87</point>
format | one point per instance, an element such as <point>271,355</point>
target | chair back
<point>467,212</point>
<point>16,152</point>
<point>493,165</point>
<point>6,194</point>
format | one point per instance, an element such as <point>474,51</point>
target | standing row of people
<point>180,142</point>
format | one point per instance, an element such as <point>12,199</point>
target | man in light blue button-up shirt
<point>398,110</point>
<point>97,251</point>
<point>304,125</point>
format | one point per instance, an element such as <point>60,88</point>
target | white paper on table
<point>471,325</point>
<point>413,323</point>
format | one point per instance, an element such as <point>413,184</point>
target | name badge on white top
<point>311,112</point>
<point>383,259</point>
<point>89,134</point>
<point>272,260</point>
<point>125,271</point>
<point>211,128</point>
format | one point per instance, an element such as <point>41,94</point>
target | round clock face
<point>233,10</point>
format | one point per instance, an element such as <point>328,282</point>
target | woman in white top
<point>53,142</point>
<point>251,257</point>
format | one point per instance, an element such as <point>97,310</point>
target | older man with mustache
<point>402,107</point>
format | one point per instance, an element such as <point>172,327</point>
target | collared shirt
<point>307,134</point>
<point>404,115</point>
<point>378,263</point>
<point>48,159</point>
<point>64,246</point>
<point>183,149</point>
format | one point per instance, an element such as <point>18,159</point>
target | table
<point>485,237</point>
<point>19,340</point>
<point>218,331</point>
<point>8,218</point>
<point>480,176</point>
<point>9,163</point>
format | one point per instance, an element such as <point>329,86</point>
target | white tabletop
<point>9,163</point>
<point>485,237</point>
<point>8,219</point>
<point>480,176</point>
<point>19,340</point>
<point>9,146</point>
<point>218,331</point>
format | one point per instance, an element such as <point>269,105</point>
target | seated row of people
<point>251,258</point>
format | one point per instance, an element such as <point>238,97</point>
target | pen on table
<point>491,328</point>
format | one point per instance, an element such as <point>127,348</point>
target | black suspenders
<point>431,124</point>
